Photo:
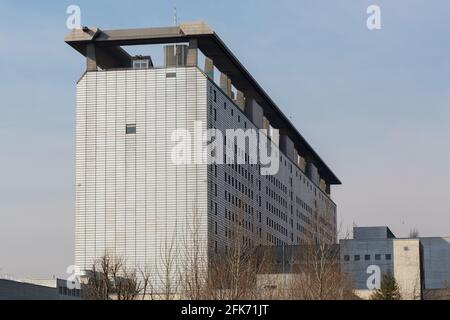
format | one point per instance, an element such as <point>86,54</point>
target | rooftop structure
<point>104,49</point>
<point>134,201</point>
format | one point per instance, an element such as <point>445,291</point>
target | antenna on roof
<point>175,16</point>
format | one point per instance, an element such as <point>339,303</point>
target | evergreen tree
<point>389,289</point>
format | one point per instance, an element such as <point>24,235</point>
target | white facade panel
<point>131,200</point>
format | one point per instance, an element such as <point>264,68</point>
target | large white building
<point>134,201</point>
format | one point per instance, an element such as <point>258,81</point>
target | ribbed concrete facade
<point>281,209</point>
<point>131,200</point>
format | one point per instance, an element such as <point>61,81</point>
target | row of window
<point>275,189</point>
<point>303,204</point>
<point>235,183</point>
<point>64,291</point>
<point>277,212</point>
<point>368,257</point>
<point>276,197</point>
<point>277,227</point>
<point>277,183</point>
<point>272,178</point>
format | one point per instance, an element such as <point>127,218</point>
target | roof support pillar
<point>225,84</point>
<point>91,58</point>
<point>230,91</point>
<point>240,100</point>
<point>254,111</point>
<point>192,54</point>
<point>209,67</point>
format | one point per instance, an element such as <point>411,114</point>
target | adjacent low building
<point>421,266</point>
<point>53,289</point>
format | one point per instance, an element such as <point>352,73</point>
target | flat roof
<point>110,54</point>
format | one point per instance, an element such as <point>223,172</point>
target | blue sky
<point>374,104</point>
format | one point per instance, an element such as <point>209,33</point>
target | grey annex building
<point>420,265</point>
<point>131,199</point>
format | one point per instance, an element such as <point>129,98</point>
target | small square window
<point>378,257</point>
<point>367,257</point>
<point>357,257</point>
<point>131,129</point>
<point>388,257</point>
<point>346,258</point>
<point>141,64</point>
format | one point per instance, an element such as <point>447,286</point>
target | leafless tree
<point>240,269</point>
<point>245,270</point>
<point>233,269</point>
<point>109,279</point>
<point>317,273</point>
<point>414,233</point>
<point>195,268</point>
<point>168,274</point>
<point>148,290</point>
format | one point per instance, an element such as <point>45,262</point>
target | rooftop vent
<point>142,62</point>
<point>175,55</point>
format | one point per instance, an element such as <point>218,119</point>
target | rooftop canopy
<point>110,54</point>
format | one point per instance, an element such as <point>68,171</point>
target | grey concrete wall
<point>287,147</point>
<point>436,262</point>
<point>254,112</point>
<point>407,267</point>
<point>365,233</point>
<point>417,264</point>
<point>13,290</point>
<point>357,269</point>
<point>312,173</point>
<point>176,56</point>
